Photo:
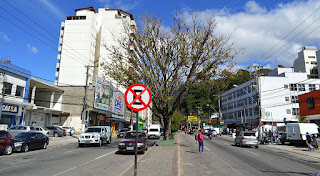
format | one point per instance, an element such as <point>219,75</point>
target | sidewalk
<point>159,160</point>
<point>302,150</point>
<point>53,141</point>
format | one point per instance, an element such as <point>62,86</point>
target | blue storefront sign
<point>10,108</point>
<point>310,103</point>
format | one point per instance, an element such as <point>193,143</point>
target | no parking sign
<point>138,97</point>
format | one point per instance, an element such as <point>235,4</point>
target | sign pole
<point>135,147</point>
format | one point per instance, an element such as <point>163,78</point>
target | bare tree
<point>169,60</point>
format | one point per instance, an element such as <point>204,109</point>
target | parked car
<point>32,140</point>
<point>69,130</point>
<point>95,135</point>
<point>14,131</point>
<point>121,133</point>
<point>127,143</point>
<point>40,130</point>
<point>55,131</point>
<point>246,138</point>
<point>6,143</point>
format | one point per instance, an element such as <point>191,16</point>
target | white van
<point>95,135</point>
<point>154,131</point>
<point>297,131</point>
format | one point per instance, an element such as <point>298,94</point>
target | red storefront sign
<point>309,103</point>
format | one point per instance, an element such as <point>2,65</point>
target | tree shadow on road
<point>290,173</point>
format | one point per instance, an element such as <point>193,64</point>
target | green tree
<point>169,60</point>
<point>303,119</point>
<point>177,119</point>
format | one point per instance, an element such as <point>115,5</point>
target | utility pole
<point>256,68</point>
<point>244,114</point>
<point>84,100</point>
<point>199,116</point>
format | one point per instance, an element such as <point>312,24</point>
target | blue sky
<point>256,26</point>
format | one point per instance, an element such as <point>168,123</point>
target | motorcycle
<point>210,134</point>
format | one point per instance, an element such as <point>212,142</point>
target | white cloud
<point>6,38</point>
<point>125,5</point>
<point>53,8</point>
<point>257,30</point>
<point>33,49</point>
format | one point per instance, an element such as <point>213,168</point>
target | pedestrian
<point>200,141</point>
<point>271,136</point>
<point>308,141</point>
<point>185,130</point>
<point>276,137</point>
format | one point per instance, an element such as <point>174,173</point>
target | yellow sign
<point>192,118</point>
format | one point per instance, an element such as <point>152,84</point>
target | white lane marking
<point>85,163</point>
<point>252,152</point>
<point>223,160</point>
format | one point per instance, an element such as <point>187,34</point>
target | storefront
<point>309,105</point>
<point>14,113</point>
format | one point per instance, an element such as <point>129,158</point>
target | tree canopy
<point>169,60</point>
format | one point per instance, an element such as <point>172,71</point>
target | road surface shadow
<point>290,172</point>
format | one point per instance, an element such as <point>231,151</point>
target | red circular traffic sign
<point>138,97</point>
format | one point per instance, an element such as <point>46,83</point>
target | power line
<point>39,26</point>
<point>290,32</point>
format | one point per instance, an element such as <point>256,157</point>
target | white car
<point>95,135</point>
<point>14,131</point>
<point>40,130</point>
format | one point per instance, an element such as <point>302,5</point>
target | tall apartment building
<point>307,61</point>
<point>278,94</point>
<point>86,40</point>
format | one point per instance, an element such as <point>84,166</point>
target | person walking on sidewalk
<point>308,141</point>
<point>200,141</point>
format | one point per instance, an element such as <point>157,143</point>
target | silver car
<point>14,131</point>
<point>40,130</point>
<point>246,138</point>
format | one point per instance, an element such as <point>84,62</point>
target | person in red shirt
<point>200,141</point>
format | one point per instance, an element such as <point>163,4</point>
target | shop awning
<point>18,103</point>
<point>118,119</point>
<point>101,111</point>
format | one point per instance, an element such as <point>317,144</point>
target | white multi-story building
<point>86,39</point>
<point>278,97</point>
<point>307,61</point>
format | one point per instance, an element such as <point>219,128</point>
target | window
<point>288,111</point>
<point>307,62</point>
<point>19,91</point>
<point>286,86</point>
<point>301,87</point>
<point>295,111</point>
<point>311,56</point>
<point>313,62</point>
<point>59,52</point>
<point>250,112</point>
<point>57,78</point>
<point>58,69</point>
<point>7,87</point>
<point>234,104</point>
<point>62,28</point>
<point>312,87</point>
<point>287,98</point>
<point>294,99</point>
<point>293,87</point>
<point>60,44</point>
<point>249,89</point>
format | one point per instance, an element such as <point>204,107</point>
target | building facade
<point>278,97</point>
<point>14,91</point>
<point>309,104</point>
<point>85,43</point>
<point>307,61</point>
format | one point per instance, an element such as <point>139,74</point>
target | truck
<point>296,132</point>
<point>154,131</point>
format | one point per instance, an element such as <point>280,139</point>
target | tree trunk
<point>167,127</point>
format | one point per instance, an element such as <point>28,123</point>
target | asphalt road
<point>221,157</point>
<point>68,160</point>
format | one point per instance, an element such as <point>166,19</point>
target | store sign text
<point>10,108</point>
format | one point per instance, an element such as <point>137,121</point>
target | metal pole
<point>271,128</point>
<point>244,114</point>
<point>135,147</point>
